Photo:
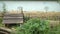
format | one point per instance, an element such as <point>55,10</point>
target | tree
<point>46,8</point>
<point>4,9</point>
<point>58,1</point>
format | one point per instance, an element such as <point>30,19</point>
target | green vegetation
<point>4,11</point>
<point>55,30</point>
<point>26,18</point>
<point>1,22</point>
<point>37,26</point>
<point>34,26</point>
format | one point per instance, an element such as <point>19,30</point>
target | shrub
<point>55,30</point>
<point>26,18</point>
<point>1,22</point>
<point>34,26</point>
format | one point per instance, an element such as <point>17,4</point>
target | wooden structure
<point>16,18</point>
<point>12,18</point>
<point>4,30</point>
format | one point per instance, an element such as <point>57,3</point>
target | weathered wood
<point>1,32</point>
<point>12,18</point>
<point>4,30</point>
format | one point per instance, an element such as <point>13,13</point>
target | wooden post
<point>21,9</point>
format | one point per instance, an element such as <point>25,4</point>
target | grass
<point>52,16</point>
<point>44,15</point>
<point>54,29</point>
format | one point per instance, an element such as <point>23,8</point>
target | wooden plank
<point>12,18</point>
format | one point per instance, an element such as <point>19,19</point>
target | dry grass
<point>53,17</point>
<point>54,23</point>
<point>43,15</point>
<point>47,15</point>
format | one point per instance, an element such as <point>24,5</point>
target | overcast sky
<point>31,5</point>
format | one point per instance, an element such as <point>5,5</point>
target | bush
<point>55,30</point>
<point>26,18</point>
<point>1,22</point>
<point>34,26</point>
